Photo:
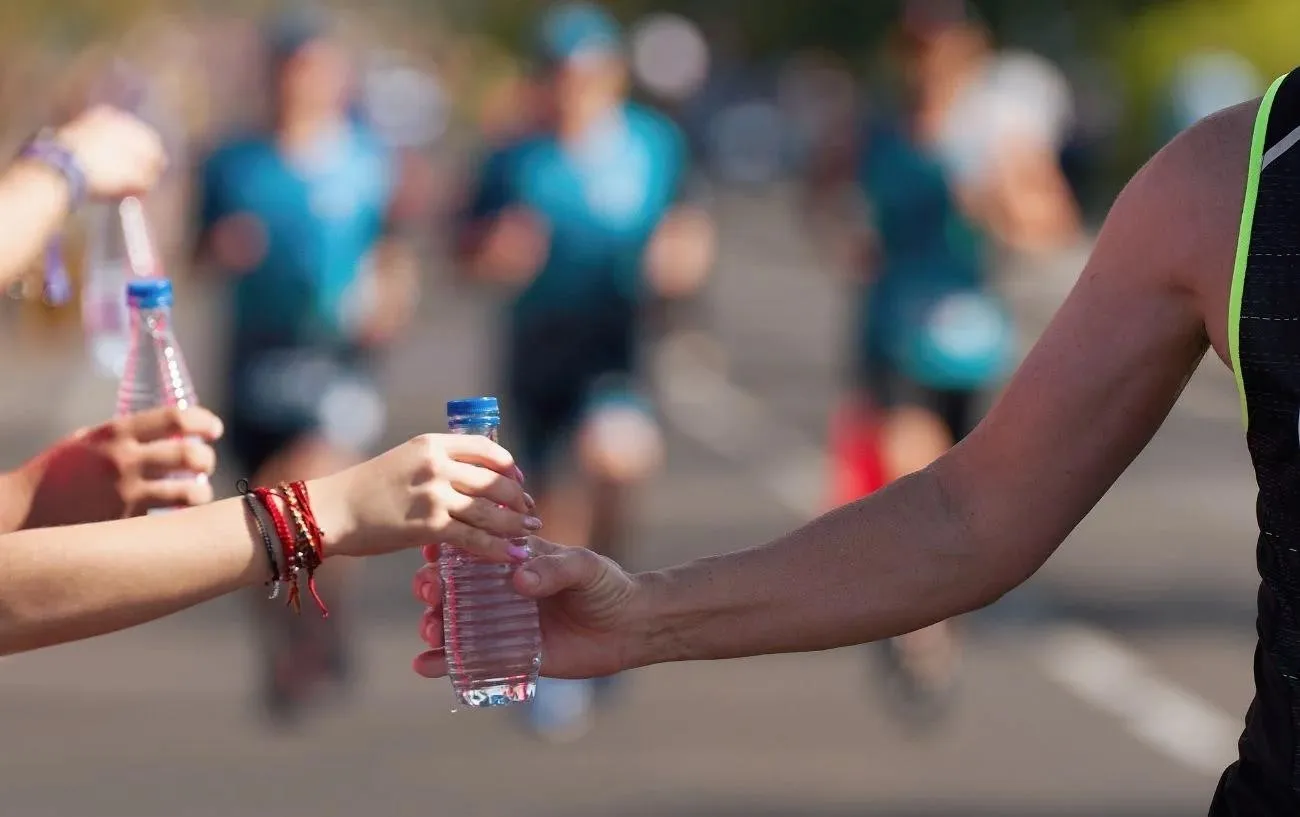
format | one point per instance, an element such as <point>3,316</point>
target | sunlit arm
<point>34,202</point>
<point>69,583</point>
<point>963,532</point>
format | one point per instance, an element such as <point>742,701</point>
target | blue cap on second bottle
<point>473,407</point>
<point>149,293</point>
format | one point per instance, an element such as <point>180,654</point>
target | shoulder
<point>1179,217</point>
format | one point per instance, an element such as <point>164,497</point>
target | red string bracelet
<point>308,548</point>
<point>299,489</point>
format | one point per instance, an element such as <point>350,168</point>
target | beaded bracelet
<point>255,509</point>
<point>44,148</point>
<point>299,490</point>
<point>308,548</point>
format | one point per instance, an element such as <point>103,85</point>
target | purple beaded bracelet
<point>45,149</point>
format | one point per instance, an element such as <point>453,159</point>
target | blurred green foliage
<point>1150,49</point>
<point>1141,40</point>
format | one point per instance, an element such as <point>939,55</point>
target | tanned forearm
<point>883,566</point>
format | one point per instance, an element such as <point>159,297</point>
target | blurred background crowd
<point>818,134</point>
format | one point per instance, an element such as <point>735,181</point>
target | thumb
<point>567,568</point>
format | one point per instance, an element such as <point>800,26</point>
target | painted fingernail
<point>529,501</point>
<point>519,553</point>
<point>427,594</point>
<point>519,475</point>
<point>532,523</point>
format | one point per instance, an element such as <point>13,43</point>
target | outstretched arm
<point>982,519</point>
<point>66,583</point>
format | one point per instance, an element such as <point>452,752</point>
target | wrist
<point>17,493</point>
<point>656,636</point>
<point>56,155</point>
<point>329,503</point>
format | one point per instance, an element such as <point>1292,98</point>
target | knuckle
<point>125,456</point>
<point>121,428</point>
<point>509,492</point>
<point>473,512</point>
<point>480,539</point>
<point>429,447</point>
<point>175,416</point>
<point>199,457</point>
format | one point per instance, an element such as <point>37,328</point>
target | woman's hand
<point>120,155</point>
<point>454,489</point>
<point>124,467</point>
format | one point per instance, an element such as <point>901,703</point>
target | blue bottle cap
<point>473,407</point>
<point>149,293</point>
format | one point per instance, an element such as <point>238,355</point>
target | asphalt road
<point>1113,683</point>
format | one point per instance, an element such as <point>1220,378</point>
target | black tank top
<point>1264,339</point>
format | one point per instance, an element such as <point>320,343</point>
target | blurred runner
<point>583,218</point>
<point>299,219</point>
<point>953,168</point>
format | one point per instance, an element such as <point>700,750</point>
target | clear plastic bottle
<point>155,373</point>
<point>104,315</point>
<point>491,632</point>
<point>119,249</point>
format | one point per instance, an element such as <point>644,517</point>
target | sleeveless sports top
<point>1264,340</point>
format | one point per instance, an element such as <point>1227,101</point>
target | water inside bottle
<point>492,639</point>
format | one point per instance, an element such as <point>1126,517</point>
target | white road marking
<point>705,407</point>
<point>1103,672</point>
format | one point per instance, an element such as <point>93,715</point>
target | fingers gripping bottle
<point>155,373</point>
<point>491,633</point>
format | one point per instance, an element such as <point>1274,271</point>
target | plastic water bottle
<point>491,633</point>
<point>155,374</point>
<point>104,315</point>
<point>119,249</point>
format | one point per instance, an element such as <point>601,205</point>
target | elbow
<point>990,558</point>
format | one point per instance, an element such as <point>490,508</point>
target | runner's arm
<point>983,518</point>
<point>393,258</point>
<point>683,249</point>
<point>34,202</point>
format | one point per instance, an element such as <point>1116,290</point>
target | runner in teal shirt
<point>582,218</point>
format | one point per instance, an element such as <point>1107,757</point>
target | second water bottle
<point>491,633</point>
<point>155,373</point>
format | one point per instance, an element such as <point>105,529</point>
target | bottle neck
<point>156,318</point>
<point>476,426</point>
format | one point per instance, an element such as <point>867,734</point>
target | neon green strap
<point>1243,240</point>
